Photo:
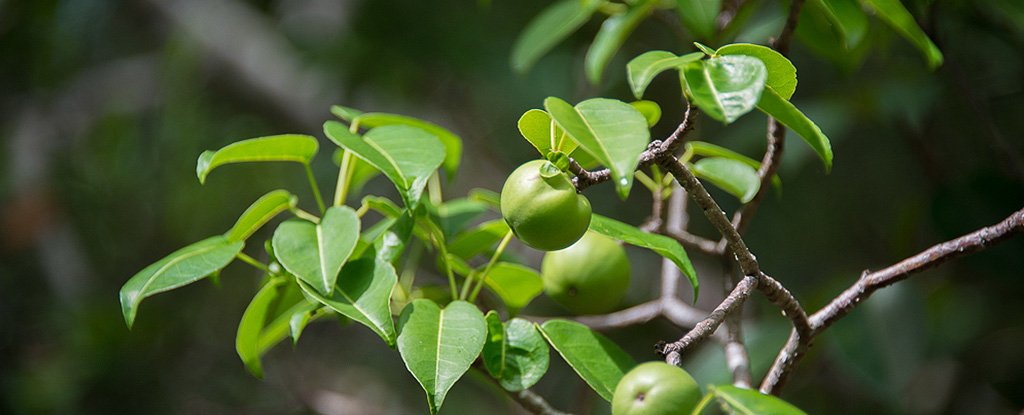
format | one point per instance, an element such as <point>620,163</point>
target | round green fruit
<point>655,388</point>
<point>542,208</point>
<point>589,277</point>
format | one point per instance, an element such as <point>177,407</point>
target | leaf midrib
<point>167,265</point>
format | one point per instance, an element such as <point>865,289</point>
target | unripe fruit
<point>542,208</point>
<point>655,388</point>
<point>589,277</point>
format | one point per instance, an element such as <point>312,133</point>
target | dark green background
<point>105,105</point>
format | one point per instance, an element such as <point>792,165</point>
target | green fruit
<point>655,388</point>
<point>542,207</point>
<point>589,277</point>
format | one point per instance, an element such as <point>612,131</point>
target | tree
<point>331,263</point>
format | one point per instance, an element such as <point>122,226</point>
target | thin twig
<point>708,326</point>
<point>736,357</point>
<point>869,282</point>
<point>534,403</point>
<point>699,243</point>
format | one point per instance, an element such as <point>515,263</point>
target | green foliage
<point>363,295</point>
<point>286,147</point>
<point>735,177</point>
<point>726,87</point>
<point>260,212</point>
<point>748,402</point>
<point>315,252</point>
<point>598,360</point>
<point>663,245</point>
<point>515,353</point>
<point>549,28</point>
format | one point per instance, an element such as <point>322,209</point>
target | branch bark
<point>534,403</point>
<point>870,281</point>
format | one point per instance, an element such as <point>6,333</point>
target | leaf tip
<point>203,165</point>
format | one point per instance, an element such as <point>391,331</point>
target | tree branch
<point>534,403</point>
<point>706,327</point>
<point>870,281</point>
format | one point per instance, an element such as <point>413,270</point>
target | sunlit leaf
<point>642,69</point>
<point>612,131</point>
<point>406,155</point>
<point>781,72</point>
<point>182,267</point>
<point>750,402</point>
<point>251,325</point>
<point>650,110</point>
<point>726,87</point>
<point>515,353</point>
<point>362,294</point>
<point>315,253</point>
<point>288,147</point>
<point>733,176</point>
<point>259,213</point>
<point>599,361</point>
<point>787,114</point>
<point>551,26</point>
<point>515,284</point>
<point>705,149</point>
<point>452,143</point>
<point>438,345</point>
<point>662,245</point>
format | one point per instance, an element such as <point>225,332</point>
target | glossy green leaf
<point>599,361</point>
<point>550,27</point>
<point>642,69</point>
<point>660,244</point>
<point>182,267</point>
<point>650,110</point>
<point>705,149</point>
<point>897,16</point>
<point>287,147</point>
<point>535,126</point>
<point>726,87</point>
<point>438,346</point>
<point>300,316</point>
<point>699,16</point>
<point>362,294</point>
<point>733,176</point>
<point>612,131</point>
<point>787,114</point>
<point>781,72</point>
<point>259,213</point>
<point>750,402</point>
<point>612,35</point>
<point>452,143</point>
<point>315,253</point>
<point>479,239</point>
<point>515,353</point>
<point>515,284</point>
<point>406,155</point>
<point>249,329</point>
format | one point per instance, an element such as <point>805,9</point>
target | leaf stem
<point>434,187</point>
<point>252,261</point>
<point>316,189</point>
<point>341,188</point>
<point>302,214</point>
<point>490,264</point>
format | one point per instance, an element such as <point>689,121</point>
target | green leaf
<point>846,16</point>
<point>315,253</point>
<point>535,126</point>
<point>650,110</point>
<point>249,329</point>
<point>662,245</point>
<point>710,150</point>
<point>750,402</point>
<point>787,114</point>
<point>287,147</point>
<point>517,285</point>
<point>362,294</point>
<point>438,346</point>
<point>490,197</point>
<point>897,16</point>
<point>642,69</point>
<point>345,113</point>
<point>479,239</point>
<point>406,155</point>
<point>515,353</point>
<point>300,317</point>
<point>599,361</point>
<point>612,35</point>
<point>452,143</point>
<point>781,72</point>
<point>699,16</point>
<point>456,214</point>
<point>612,131</point>
<point>726,87</point>
<point>182,267</point>
<point>260,212</point>
<point>733,176</point>
<point>550,27</point>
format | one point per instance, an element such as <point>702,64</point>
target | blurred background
<point>105,106</point>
